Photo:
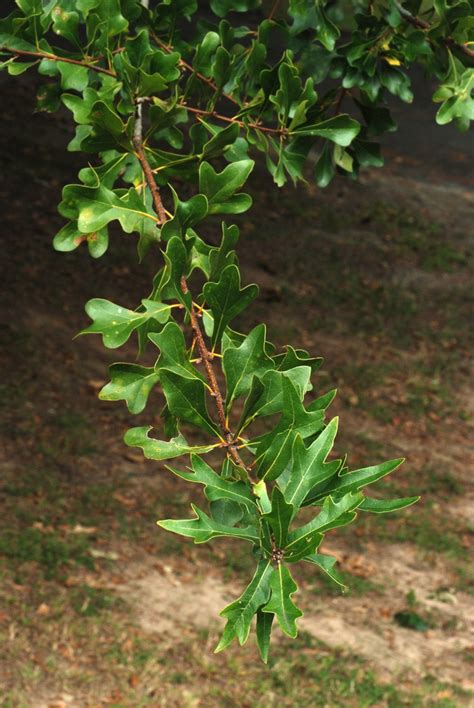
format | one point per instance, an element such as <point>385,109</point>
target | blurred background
<point>97,606</point>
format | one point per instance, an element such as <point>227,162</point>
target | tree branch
<point>227,119</point>
<point>54,57</point>
<point>204,353</point>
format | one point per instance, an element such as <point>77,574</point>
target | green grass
<point>90,602</point>
<point>68,435</point>
<point>49,550</point>
<point>424,527</point>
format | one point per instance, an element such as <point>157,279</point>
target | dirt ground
<point>97,606</point>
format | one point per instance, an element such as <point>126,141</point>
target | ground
<point>97,605</point>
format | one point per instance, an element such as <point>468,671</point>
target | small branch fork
<point>205,354</point>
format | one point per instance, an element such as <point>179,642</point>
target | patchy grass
<point>423,526</point>
<point>49,550</point>
<point>133,669</point>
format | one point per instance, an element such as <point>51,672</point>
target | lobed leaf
<point>203,528</point>
<point>226,300</point>
<point>154,449</point>
<point>116,323</point>
<point>239,614</point>
<point>131,383</point>
<point>280,604</point>
<point>216,487</point>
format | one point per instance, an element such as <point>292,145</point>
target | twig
<point>150,180</point>
<point>274,9</point>
<point>206,358</point>
<point>54,57</point>
<point>339,101</point>
<point>204,353</point>
<point>227,119</point>
<point>184,64</point>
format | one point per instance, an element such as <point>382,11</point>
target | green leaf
<point>283,587</point>
<point>309,465</point>
<point>226,300</point>
<point>131,383</point>
<point>266,394</point>
<point>289,94</point>
<point>107,172</point>
<point>220,141</point>
<point>162,449</point>
<point>105,118</point>
<point>65,24</point>
<point>95,207</point>
<point>332,515</point>
<point>220,187</point>
<point>377,118</point>
<point>176,259</point>
<point>216,487</point>
<point>221,67</point>
<point>326,564</point>
<point>279,518</point>
<point>341,129</point>
<point>222,7</point>
<point>353,481</point>
<point>261,492</point>
<point>112,21</point>
<point>69,238</point>
<point>326,31</point>
<point>186,400</point>
<point>203,528</point>
<point>323,402</point>
<point>368,154</point>
<point>205,53</point>
<point>116,323</point>
<point>385,506</point>
<point>241,363</point>
<point>226,512</point>
<point>186,215</point>
<point>264,630</point>
<point>223,256</point>
<point>325,169</point>
<point>297,357</point>
<point>73,76</point>
<point>16,68</point>
<point>173,352</point>
<point>239,614</point>
<point>274,450</point>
